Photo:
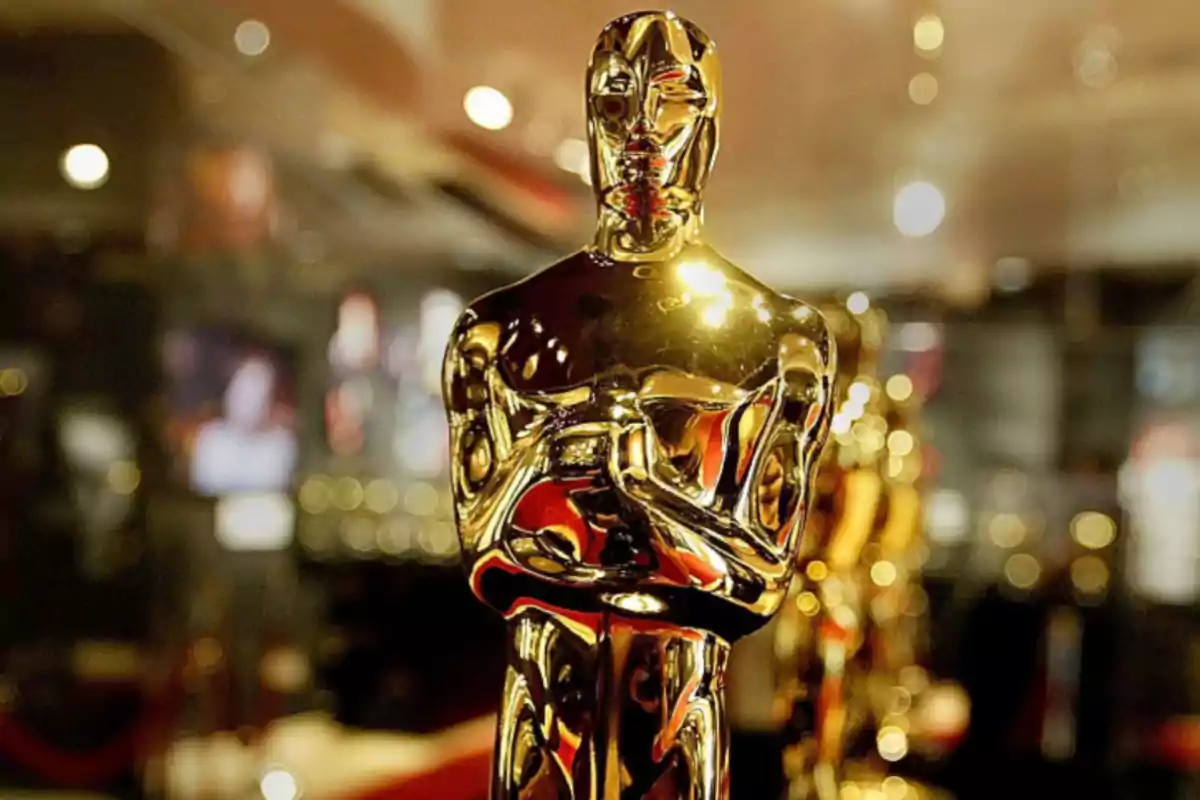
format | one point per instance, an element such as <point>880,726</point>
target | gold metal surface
<point>848,640</point>
<point>634,433</point>
<point>823,680</point>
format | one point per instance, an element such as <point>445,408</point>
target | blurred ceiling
<point>1064,133</point>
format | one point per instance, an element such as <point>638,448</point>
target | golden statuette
<point>634,433</point>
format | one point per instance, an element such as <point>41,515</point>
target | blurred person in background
<point>246,450</point>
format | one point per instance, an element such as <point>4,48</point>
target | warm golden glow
<point>636,603</point>
<point>421,499</point>
<point>808,604</point>
<point>900,443</point>
<point>714,316</point>
<point>899,387</point>
<point>914,678</point>
<point>1089,574</point>
<point>314,495</point>
<point>817,571</point>
<point>895,788</point>
<point>892,743</point>
<point>1022,570</point>
<point>883,573</point>
<point>380,496</point>
<point>1093,530</point>
<point>918,209</point>
<point>859,393</point>
<point>347,494</point>
<point>124,477</point>
<point>84,166</point>
<point>923,88</point>
<point>488,108</point>
<point>252,37</point>
<point>571,155</point>
<point>929,33</point>
<point>13,382</point>
<point>708,395</point>
<point>858,303</point>
<point>1007,530</point>
<point>701,279</point>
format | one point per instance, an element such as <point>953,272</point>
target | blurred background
<point>234,235</point>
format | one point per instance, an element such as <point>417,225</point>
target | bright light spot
<point>572,155</point>
<point>84,166</point>
<point>635,602</point>
<point>314,494</point>
<point>900,443</point>
<point>853,410</point>
<point>883,573</point>
<point>929,33</point>
<point>246,522</point>
<point>1093,530</point>
<point>919,209</point>
<point>859,393</point>
<point>13,382</point>
<point>844,615</point>
<point>701,279</point>
<point>124,477</point>
<point>919,337</point>
<point>278,784</point>
<point>347,494</point>
<point>808,604</point>
<point>923,88</point>
<point>858,303</point>
<point>380,496</point>
<point>948,517</point>
<point>488,108</point>
<point>802,312</point>
<point>840,424</point>
<point>892,743</point>
<point>945,709</point>
<point>1007,530</point>
<point>899,388</point>
<point>714,316</point>
<point>252,38</point>
<point>1022,570</point>
<point>817,571</point>
<point>895,787</point>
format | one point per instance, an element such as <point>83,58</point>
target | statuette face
<point>653,85</point>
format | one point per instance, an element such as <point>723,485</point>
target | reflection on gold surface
<point>636,502</point>
<point>848,681</point>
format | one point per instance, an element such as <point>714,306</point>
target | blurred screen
<point>232,411</point>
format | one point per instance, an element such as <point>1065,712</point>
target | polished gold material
<point>847,644</point>
<point>634,431</point>
<point>820,635</point>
